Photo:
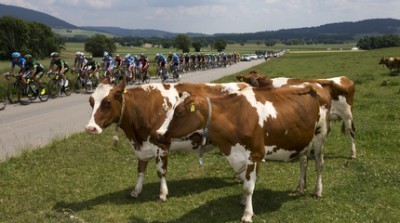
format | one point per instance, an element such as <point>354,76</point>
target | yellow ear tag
<point>192,108</point>
<point>125,90</point>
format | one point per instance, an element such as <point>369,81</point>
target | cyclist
<point>92,66</point>
<point>161,61</point>
<point>128,64</point>
<point>144,60</point>
<point>108,65</point>
<point>79,61</point>
<point>34,69</point>
<point>174,61</point>
<point>61,66</point>
<point>17,60</point>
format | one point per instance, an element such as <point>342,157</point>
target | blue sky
<point>211,16</point>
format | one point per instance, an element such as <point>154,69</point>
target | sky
<point>212,16</point>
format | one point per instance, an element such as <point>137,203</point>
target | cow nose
<point>92,129</point>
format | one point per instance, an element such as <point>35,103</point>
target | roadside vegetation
<point>84,178</point>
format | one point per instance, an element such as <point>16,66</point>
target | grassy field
<point>84,178</point>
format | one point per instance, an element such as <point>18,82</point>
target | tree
<point>198,44</point>
<point>98,44</point>
<point>220,45</point>
<point>26,37</point>
<point>182,42</point>
<point>270,42</point>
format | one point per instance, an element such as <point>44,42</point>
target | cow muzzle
<point>92,129</point>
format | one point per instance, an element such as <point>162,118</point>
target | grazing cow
<point>341,92</point>
<point>277,124</point>
<point>139,112</point>
<point>391,63</point>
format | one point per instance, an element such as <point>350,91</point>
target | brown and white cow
<point>256,123</point>
<point>341,91</point>
<point>139,112</point>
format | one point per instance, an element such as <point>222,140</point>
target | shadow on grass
<point>177,188</point>
<point>228,209</point>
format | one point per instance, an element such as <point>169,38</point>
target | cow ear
<point>120,88</point>
<point>190,104</point>
<point>239,78</point>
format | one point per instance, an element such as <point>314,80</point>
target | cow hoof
<point>296,193</point>
<point>317,196</point>
<point>159,200</point>
<point>130,197</point>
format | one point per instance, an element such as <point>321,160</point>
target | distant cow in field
<point>341,90</point>
<point>391,63</point>
<point>139,112</point>
<point>256,123</point>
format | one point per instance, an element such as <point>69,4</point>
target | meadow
<point>84,178</point>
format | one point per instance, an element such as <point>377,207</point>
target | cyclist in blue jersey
<point>108,65</point>
<point>18,60</point>
<point>161,61</point>
<point>129,63</point>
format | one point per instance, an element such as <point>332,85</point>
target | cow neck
<point>205,132</point>
<point>118,124</point>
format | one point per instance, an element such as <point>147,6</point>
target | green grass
<point>85,179</point>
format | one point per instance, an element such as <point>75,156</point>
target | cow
<point>342,95</point>
<point>139,112</point>
<point>252,124</point>
<point>391,63</point>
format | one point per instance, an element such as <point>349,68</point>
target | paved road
<point>28,127</point>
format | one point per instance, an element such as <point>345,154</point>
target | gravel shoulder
<point>28,127</point>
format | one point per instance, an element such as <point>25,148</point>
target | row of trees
<point>100,43</point>
<point>27,37</point>
<point>375,42</point>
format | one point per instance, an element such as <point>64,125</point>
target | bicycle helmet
<point>89,57</point>
<point>78,53</point>
<point>105,53</point>
<point>28,56</point>
<point>16,55</point>
<point>54,54</point>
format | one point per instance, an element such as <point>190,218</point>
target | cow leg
<point>348,126</point>
<point>303,175</point>
<point>319,165</point>
<point>162,163</point>
<point>248,189</point>
<point>142,165</point>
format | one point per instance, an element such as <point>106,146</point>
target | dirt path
<point>28,127</point>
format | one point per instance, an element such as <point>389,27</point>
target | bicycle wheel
<point>33,89</point>
<point>22,95</point>
<point>3,98</point>
<point>54,87</point>
<point>67,88</point>
<point>79,85</point>
<point>12,94</point>
<point>44,92</point>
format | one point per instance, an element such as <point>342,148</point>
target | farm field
<point>84,178</point>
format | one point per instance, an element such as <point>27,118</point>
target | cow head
<point>106,103</point>
<point>188,116</point>
<point>255,79</point>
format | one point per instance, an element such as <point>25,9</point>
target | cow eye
<point>106,104</point>
<point>180,111</point>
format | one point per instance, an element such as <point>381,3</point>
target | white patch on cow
<point>277,154</point>
<point>264,111</point>
<point>227,87</point>
<point>337,80</point>
<point>147,152</point>
<point>341,108</point>
<point>102,91</point>
<point>279,81</point>
<point>170,114</point>
<point>238,158</point>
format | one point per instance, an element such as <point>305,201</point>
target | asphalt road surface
<point>28,127</point>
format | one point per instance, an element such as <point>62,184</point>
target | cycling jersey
<point>59,63</point>
<point>108,62</point>
<point>20,62</point>
<point>30,65</point>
